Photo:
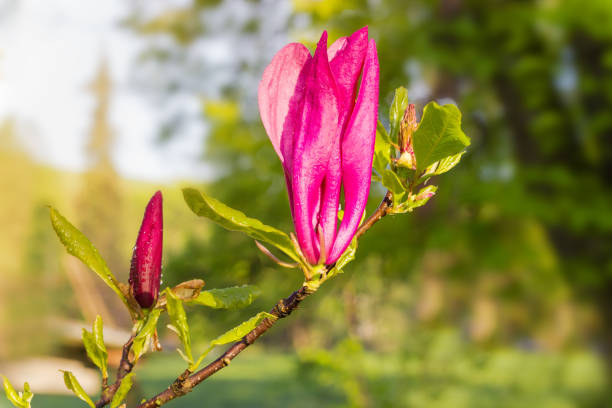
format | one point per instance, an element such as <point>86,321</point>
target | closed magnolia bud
<point>145,270</point>
<point>407,127</point>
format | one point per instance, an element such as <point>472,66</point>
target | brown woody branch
<point>381,211</point>
<point>125,367</point>
<point>187,381</point>
<point>182,386</point>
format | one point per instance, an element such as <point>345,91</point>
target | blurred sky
<point>50,51</point>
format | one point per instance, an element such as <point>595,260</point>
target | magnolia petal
<point>291,127</point>
<point>335,47</point>
<point>277,89</point>
<point>346,65</point>
<point>346,57</point>
<point>312,147</point>
<point>331,197</point>
<point>357,153</point>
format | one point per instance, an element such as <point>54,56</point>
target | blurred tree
<point>99,206</point>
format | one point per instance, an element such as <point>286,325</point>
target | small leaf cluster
<point>18,399</point>
<point>144,331</point>
<point>410,153</point>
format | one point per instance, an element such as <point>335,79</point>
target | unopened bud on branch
<point>407,127</point>
<point>145,270</point>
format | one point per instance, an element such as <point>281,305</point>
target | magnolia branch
<point>125,367</point>
<point>187,380</point>
<point>381,211</point>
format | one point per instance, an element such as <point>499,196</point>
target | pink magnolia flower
<point>323,131</point>
<point>145,270</point>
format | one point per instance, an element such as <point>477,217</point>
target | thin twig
<point>381,211</point>
<point>125,367</point>
<point>274,259</point>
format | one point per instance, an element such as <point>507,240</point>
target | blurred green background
<point>498,293</point>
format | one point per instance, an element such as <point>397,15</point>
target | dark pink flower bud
<point>145,270</point>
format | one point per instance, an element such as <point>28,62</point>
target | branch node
<point>281,309</point>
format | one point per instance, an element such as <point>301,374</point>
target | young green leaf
<point>94,345</point>
<point>241,330</point>
<point>27,394</point>
<point>20,400</point>
<point>380,130</point>
<point>178,319</point>
<point>122,391</point>
<point>392,182</point>
<point>79,246</point>
<point>235,220</point>
<point>439,135</point>
<point>73,385</point>
<point>143,337</point>
<point>228,298</point>
<point>382,149</point>
<point>234,334</point>
<point>444,165</point>
<point>345,258</point>
<point>396,112</point>
<point>93,352</point>
<point>416,200</point>
<point>98,333</point>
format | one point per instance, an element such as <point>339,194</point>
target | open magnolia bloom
<point>321,120</point>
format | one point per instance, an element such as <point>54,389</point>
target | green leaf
<point>241,330</point>
<point>416,200</point>
<point>392,182</point>
<point>382,132</point>
<point>99,338</point>
<point>79,246</point>
<point>178,319</point>
<point>345,258</point>
<point>73,385</point>
<point>396,112</point>
<point>145,332</point>
<point>234,334</point>
<point>94,345</point>
<point>235,297</point>
<point>17,399</point>
<point>235,220</point>
<point>444,165</point>
<point>382,149</point>
<point>27,394</point>
<point>439,135</point>
<point>122,391</point>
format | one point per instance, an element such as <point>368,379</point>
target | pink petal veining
<point>324,138</point>
<point>277,89</point>
<point>346,65</point>
<point>312,147</point>
<point>357,154</point>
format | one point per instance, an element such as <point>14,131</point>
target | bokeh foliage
<point>513,251</point>
<point>497,293</point>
